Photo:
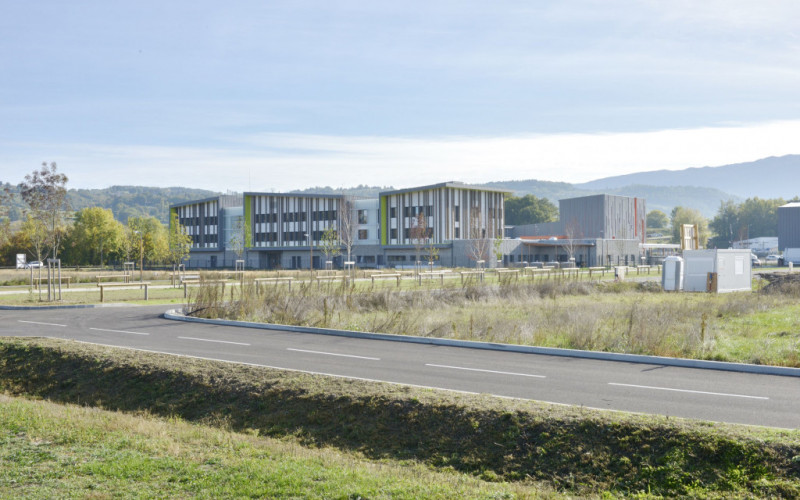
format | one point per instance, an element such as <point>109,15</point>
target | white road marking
<point>689,391</point>
<point>485,371</point>
<point>117,331</point>
<point>297,370</point>
<point>211,340</point>
<point>333,354</point>
<point>401,384</point>
<point>40,323</point>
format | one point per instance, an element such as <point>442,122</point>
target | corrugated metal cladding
<point>285,220</point>
<point>605,216</point>
<point>789,226</point>
<point>450,213</point>
<point>201,222</point>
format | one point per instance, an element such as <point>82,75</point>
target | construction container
<point>732,269</point>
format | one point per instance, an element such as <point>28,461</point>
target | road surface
<point>653,389</point>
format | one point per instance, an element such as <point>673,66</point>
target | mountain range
<point>766,178</point>
<point>701,188</point>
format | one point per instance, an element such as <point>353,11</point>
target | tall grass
<point>617,317</point>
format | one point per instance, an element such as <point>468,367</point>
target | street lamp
<point>310,255</point>
<point>141,255</point>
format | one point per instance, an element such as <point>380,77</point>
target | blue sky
<point>282,95</point>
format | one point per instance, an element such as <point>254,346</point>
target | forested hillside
<point>124,201</point>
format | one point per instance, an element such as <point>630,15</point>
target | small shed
<point>731,270</point>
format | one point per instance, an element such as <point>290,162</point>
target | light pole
<point>310,255</point>
<point>141,255</point>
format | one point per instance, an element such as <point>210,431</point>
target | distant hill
<point>773,177</point>
<point>706,200</point>
<point>124,201</point>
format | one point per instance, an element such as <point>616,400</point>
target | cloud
<point>291,161</point>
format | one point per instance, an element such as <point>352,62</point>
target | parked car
<point>773,258</point>
<point>754,260</point>
<point>33,265</point>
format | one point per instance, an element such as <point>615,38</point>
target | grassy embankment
<point>65,451</point>
<point>573,450</point>
<point>615,317</point>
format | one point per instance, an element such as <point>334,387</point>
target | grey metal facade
<point>789,226</point>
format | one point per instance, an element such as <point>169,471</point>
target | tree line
<point>752,218</point>
<point>50,228</point>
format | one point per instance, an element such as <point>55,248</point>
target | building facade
<point>789,226</point>
<point>597,230</point>
<point>207,221</point>
<point>451,224</point>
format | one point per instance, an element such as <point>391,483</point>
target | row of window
<point>412,211</point>
<point>407,233</point>
<point>209,238</point>
<point>272,237</point>
<point>403,258</point>
<point>195,221</point>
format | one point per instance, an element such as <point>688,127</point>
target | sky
<point>280,95</point>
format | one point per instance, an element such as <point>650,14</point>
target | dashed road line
<point>212,340</point>
<point>688,391</point>
<point>39,323</point>
<point>118,331</point>
<point>333,354</point>
<point>485,371</point>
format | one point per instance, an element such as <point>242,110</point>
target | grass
<point>572,450</point>
<point>65,451</point>
<point>635,317</point>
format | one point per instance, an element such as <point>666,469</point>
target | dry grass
<point>617,317</point>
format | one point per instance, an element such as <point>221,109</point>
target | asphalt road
<point>653,389</point>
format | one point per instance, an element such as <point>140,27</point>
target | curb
<point>41,308</point>
<point>176,315</point>
<point>74,306</point>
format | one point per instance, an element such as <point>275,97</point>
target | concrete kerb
<point>72,306</point>
<point>176,315</point>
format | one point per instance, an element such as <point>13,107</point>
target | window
<point>393,212</point>
<point>362,217</point>
<point>456,215</point>
<point>393,234</point>
<point>362,234</point>
<point>457,233</point>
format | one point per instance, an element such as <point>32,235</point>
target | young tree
<point>330,244</point>
<point>572,230</point>
<point>433,253</point>
<point>179,242</point>
<point>45,193</point>
<point>419,233</point>
<point>497,248</point>
<point>348,225</point>
<point>128,243</point>
<point>34,234</point>
<point>241,238</point>
<point>479,244</point>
